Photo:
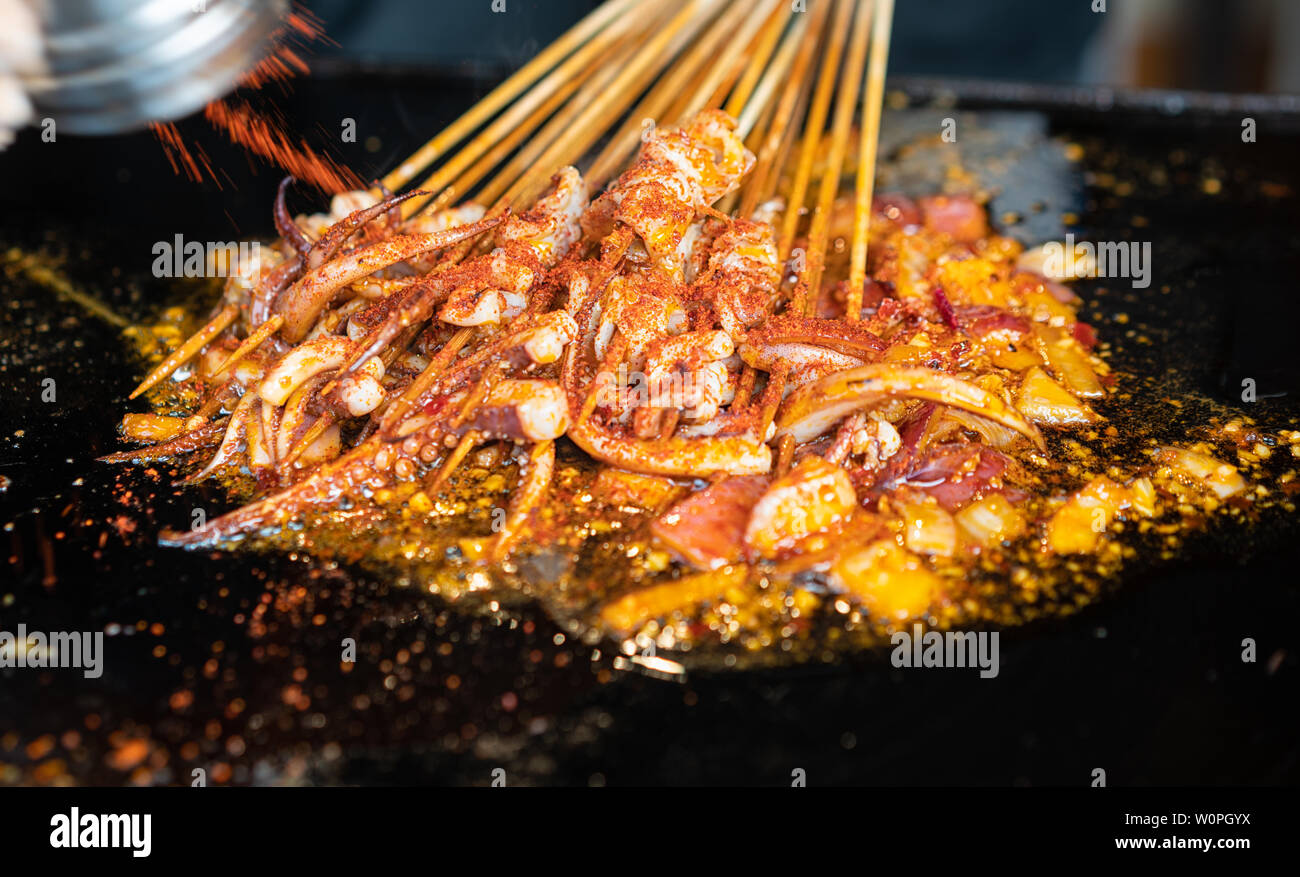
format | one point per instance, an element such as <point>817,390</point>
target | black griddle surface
<point>242,676</point>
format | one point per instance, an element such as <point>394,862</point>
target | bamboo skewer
<point>710,82</point>
<point>723,66</point>
<point>477,392</point>
<point>770,401</point>
<point>329,418</point>
<point>655,105</point>
<point>527,157</point>
<point>463,184</point>
<point>535,479</point>
<point>560,126</point>
<point>453,461</point>
<point>724,87</point>
<point>251,343</point>
<point>753,143</point>
<point>607,107</point>
<point>798,51</point>
<point>189,349</point>
<point>601,17</point>
<point>814,126</point>
<point>868,145</point>
<point>767,44</point>
<point>513,122</point>
<point>784,455</point>
<point>792,47</point>
<point>845,104</point>
<point>405,404</point>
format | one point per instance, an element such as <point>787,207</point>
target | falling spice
<point>266,137</point>
<point>184,158</point>
<point>263,132</point>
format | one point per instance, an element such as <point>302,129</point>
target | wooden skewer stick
<point>797,42</point>
<point>868,143</point>
<point>753,142</point>
<point>767,42</point>
<point>513,126</point>
<point>454,459</point>
<point>307,439</point>
<point>813,138</point>
<point>725,85</point>
<point>251,343</point>
<point>745,389</point>
<point>655,105</point>
<point>405,404</point>
<point>461,186</point>
<point>784,455</point>
<point>329,418</point>
<point>770,401</point>
<point>513,122</point>
<point>537,477</point>
<point>560,125</point>
<point>725,64</point>
<point>524,77</point>
<point>596,118</point>
<point>478,391</point>
<point>668,422</point>
<point>845,105</point>
<point>797,83</point>
<point>785,153</point>
<point>189,349</point>
<point>798,50</point>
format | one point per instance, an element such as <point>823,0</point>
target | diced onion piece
<point>1143,493</point>
<point>1076,526</point>
<point>811,498</point>
<point>889,580</point>
<point>1017,360</point>
<point>1043,400</point>
<point>1043,307</point>
<point>972,281</point>
<point>1055,261</point>
<point>1068,362</point>
<point>928,529</point>
<point>1222,478</point>
<point>995,435</point>
<point>991,520</point>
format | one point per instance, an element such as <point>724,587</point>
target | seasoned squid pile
<point>752,427</point>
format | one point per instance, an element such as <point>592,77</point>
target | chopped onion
<point>1068,361</point>
<point>889,580</point>
<point>1222,478</point>
<point>1043,400</point>
<point>928,529</point>
<point>991,520</point>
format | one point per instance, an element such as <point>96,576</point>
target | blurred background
<point>1213,45</point>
